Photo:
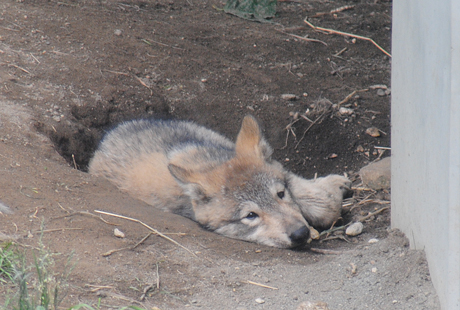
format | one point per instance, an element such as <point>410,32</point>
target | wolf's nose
<point>300,236</point>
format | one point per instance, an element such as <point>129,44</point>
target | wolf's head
<point>246,197</point>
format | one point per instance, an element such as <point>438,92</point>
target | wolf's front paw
<point>338,183</point>
<point>320,200</point>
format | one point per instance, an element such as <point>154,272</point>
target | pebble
<point>288,97</point>
<point>345,111</point>
<point>117,32</point>
<point>314,234</point>
<point>381,92</point>
<point>373,132</point>
<point>260,301</point>
<point>354,229</point>
<point>373,240</point>
<point>118,233</point>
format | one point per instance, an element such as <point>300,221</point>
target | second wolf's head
<point>246,197</point>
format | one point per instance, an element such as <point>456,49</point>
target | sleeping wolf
<point>234,189</point>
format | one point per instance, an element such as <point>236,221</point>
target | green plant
<point>36,286</point>
<point>7,259</point>
<point>88,307</point>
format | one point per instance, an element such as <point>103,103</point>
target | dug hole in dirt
<point>71,70</point>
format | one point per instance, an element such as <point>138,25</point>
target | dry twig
<point>57,229</point>
<point>261,285</point>
<point>148,227</point>
<point>84,213</point>
<point>133,76</point>
<point>347,35</point>
<point>98,287</point>
<point>108,253</point>
<point>327,252</point>
<point>309,127</point>
<point>305,39</point>
<point>340,52</point>
<point>347,98</point>
<point>338,10</point>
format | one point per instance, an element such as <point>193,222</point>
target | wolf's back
<point>135,156</point>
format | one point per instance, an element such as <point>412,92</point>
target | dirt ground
<point>70,70</point>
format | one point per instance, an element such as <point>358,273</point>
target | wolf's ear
<point>250,142</point>
<point>189,181</point>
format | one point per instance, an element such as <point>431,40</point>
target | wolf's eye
<point>280,194</point>
<point>252,215</point>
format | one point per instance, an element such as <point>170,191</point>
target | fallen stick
<point>108,253</point>
<point>133,76</point>
<point>327,252</point>
<point>340,52</point>
<point>347,98</point>
<point>338,10</point>
<point>261,285</point>
<point>58,229</point>
<point>148,227</point>
<point>382,147</point>
<point>309,127</point>
<point>84,213</point>
<point>305,39</point>
<point>347,35</point>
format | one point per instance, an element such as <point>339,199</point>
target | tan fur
<point>233,189</point>
<point>320,200</point>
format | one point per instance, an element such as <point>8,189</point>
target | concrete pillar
<point>426,136</point>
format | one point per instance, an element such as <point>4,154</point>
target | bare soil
<point>71,70</point>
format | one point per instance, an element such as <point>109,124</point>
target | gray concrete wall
<point>426,136</point>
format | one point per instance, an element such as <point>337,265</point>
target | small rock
<point>345,111</point>
<point>373,132</point>
<point>294,115</point>
<point>117,32</point>
<point>377,175</point>
<point>354,268</point>
<point>374,270</point>
<point>373,240</point>
<point>118,233</point>
<point>289,97</point>
<point>260,301</point>
<point>360,149</point>
<point>381,92</point>
<point>314,234</point>
<point>307,305</point>
<point>354,229</point>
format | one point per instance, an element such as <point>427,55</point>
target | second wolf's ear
<point>189,181</point>
<point>250,142</point>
